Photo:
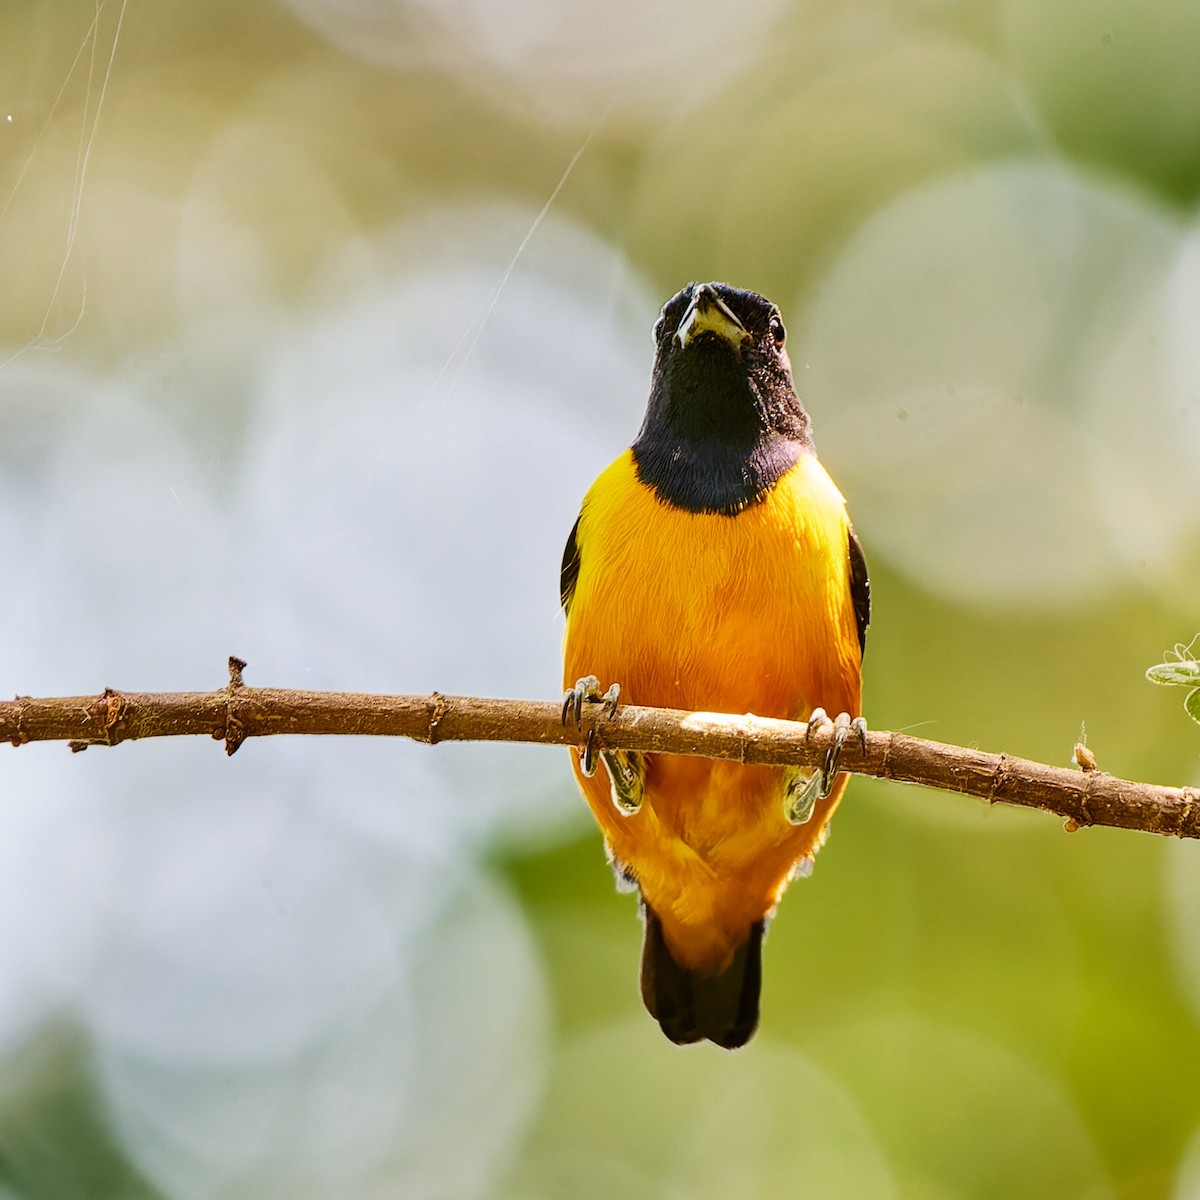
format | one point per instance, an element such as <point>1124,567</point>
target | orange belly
<point>745,614</point>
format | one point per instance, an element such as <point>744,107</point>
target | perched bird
<point>713,568</point>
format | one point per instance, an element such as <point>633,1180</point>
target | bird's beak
<point>708,313</point>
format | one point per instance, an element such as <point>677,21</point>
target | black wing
<point>860,587</point>
<point>570,569</point>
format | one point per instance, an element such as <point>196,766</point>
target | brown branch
<point>236,712</point>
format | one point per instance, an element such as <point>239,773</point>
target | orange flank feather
<point>745,614</point>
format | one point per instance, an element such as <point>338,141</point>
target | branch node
<point>1085,797</point>
<point>114,710</point>
<point>76,746</point>
<point>235,730</point>
<point>1189,796</point>
<point>1083,758</point>
<point>437,710</point>
<point>20,736</point>
<point>235,734</point>
<point>998,780</point>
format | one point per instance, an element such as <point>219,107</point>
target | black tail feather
<point>691,1006</point>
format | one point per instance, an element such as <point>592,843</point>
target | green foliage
<point>1181,669</point>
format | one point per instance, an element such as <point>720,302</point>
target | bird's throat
<point>713,475</point>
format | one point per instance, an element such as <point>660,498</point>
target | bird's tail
<point>691,1005</point>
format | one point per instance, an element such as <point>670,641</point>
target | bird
<point>713,568</point>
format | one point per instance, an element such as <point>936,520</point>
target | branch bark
<point>1082,797</point>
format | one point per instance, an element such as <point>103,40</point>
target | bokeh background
<point>299,362</point>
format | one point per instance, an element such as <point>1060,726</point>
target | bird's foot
<point>800,795</point>
<point>587,691</point>
<point>626,768</point>
<point>627,775</point>
<point>804,789</point>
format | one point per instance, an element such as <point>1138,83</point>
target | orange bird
<point>713,568</point>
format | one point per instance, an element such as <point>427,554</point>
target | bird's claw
<point>843,726</point>
<point>859,726</point>
<point>587,756</point>
<point>816,719</point>
<point>573,698</point>
<point>803,792</point>
<point>587,691</point>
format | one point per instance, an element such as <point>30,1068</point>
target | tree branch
<point>1085,796</point>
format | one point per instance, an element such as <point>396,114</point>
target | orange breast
<point>743,614</point>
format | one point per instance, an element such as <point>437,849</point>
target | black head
<point>723,421</point>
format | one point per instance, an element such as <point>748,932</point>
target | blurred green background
<point>294,364</point>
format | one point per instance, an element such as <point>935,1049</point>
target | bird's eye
<point>777,331</point>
